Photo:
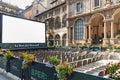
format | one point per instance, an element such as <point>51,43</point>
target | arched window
<point>57,23</point>
<point>64,21</point>
<point>57,40</point>
<point>64,40</point>
<point>51,23</point>
<point>51,41</point>
<point>78,30</point>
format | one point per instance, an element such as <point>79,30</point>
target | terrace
<point>92,63</point>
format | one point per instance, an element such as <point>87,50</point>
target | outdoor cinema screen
<point>17,30</point>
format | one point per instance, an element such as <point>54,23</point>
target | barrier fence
<point>40,71</point>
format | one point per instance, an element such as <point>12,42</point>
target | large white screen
<point>16,30</point>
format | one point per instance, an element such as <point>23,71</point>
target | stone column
<point>73,40</point>
<point>67,24</point>
<point>105,32</point>
<point>61,39</point>
<point>90,38</point>
<point>112,41</point>
<point>105,41</point>
<point>54,40</point>
<point>112,29</point>
<point>67,38</point>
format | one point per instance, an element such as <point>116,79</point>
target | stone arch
<point>77,20</point>
<point>96,15</point>
<point>116,20</point>
<point>116,15</point>
<point>97,27</point>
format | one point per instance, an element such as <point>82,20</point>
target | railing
<point>40,71</point>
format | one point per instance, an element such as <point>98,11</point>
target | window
<point>37,11</point>
<point>78,30</point>
<point>51,41</point>
<point>57,23</point>
<point>57,12</point>
<point>51,23</point>
<point>78,7</point>
<point>96,2</point>
<point>50,14</point>
<point>57,40</point>
<point>64,21</point>
<point>64,9</point>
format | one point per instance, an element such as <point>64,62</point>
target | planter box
<point>2,62</point>
<point>15,67</point>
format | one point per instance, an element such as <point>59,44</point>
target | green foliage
<point>27,59</point>
<point>22,54</point>
<point>118,36</point>
<point>63,70</point>
<point>53,60</point>
<point>116,75</point>
<point>111,68</point>
<point>8,55</point>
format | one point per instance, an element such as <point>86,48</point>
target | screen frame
<point>24,45</point>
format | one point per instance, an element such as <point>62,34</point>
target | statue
<point>108,3</point>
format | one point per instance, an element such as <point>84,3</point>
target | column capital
<point>107,20</point>
<point>86,24</point>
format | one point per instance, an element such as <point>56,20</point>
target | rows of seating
<point>72,56</point>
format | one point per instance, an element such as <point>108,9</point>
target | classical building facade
<point>82,21</point>
<point>9,9</point>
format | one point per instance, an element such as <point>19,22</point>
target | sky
<point>20,3</point>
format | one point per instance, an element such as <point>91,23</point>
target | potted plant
<point>53,60</point>
<point>27,60</point>
<point>1,52</point>
<point>7,56</point>
<point>22,55</point>
<point>111,69</point>
<point>116,75</point>
<point>63,70</point>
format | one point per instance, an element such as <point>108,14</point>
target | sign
<point>23,45</point>
<point>40,71</point>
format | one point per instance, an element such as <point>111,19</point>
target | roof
<point>51,8</point>
<point>28,8</point>
<point>10,6</point>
